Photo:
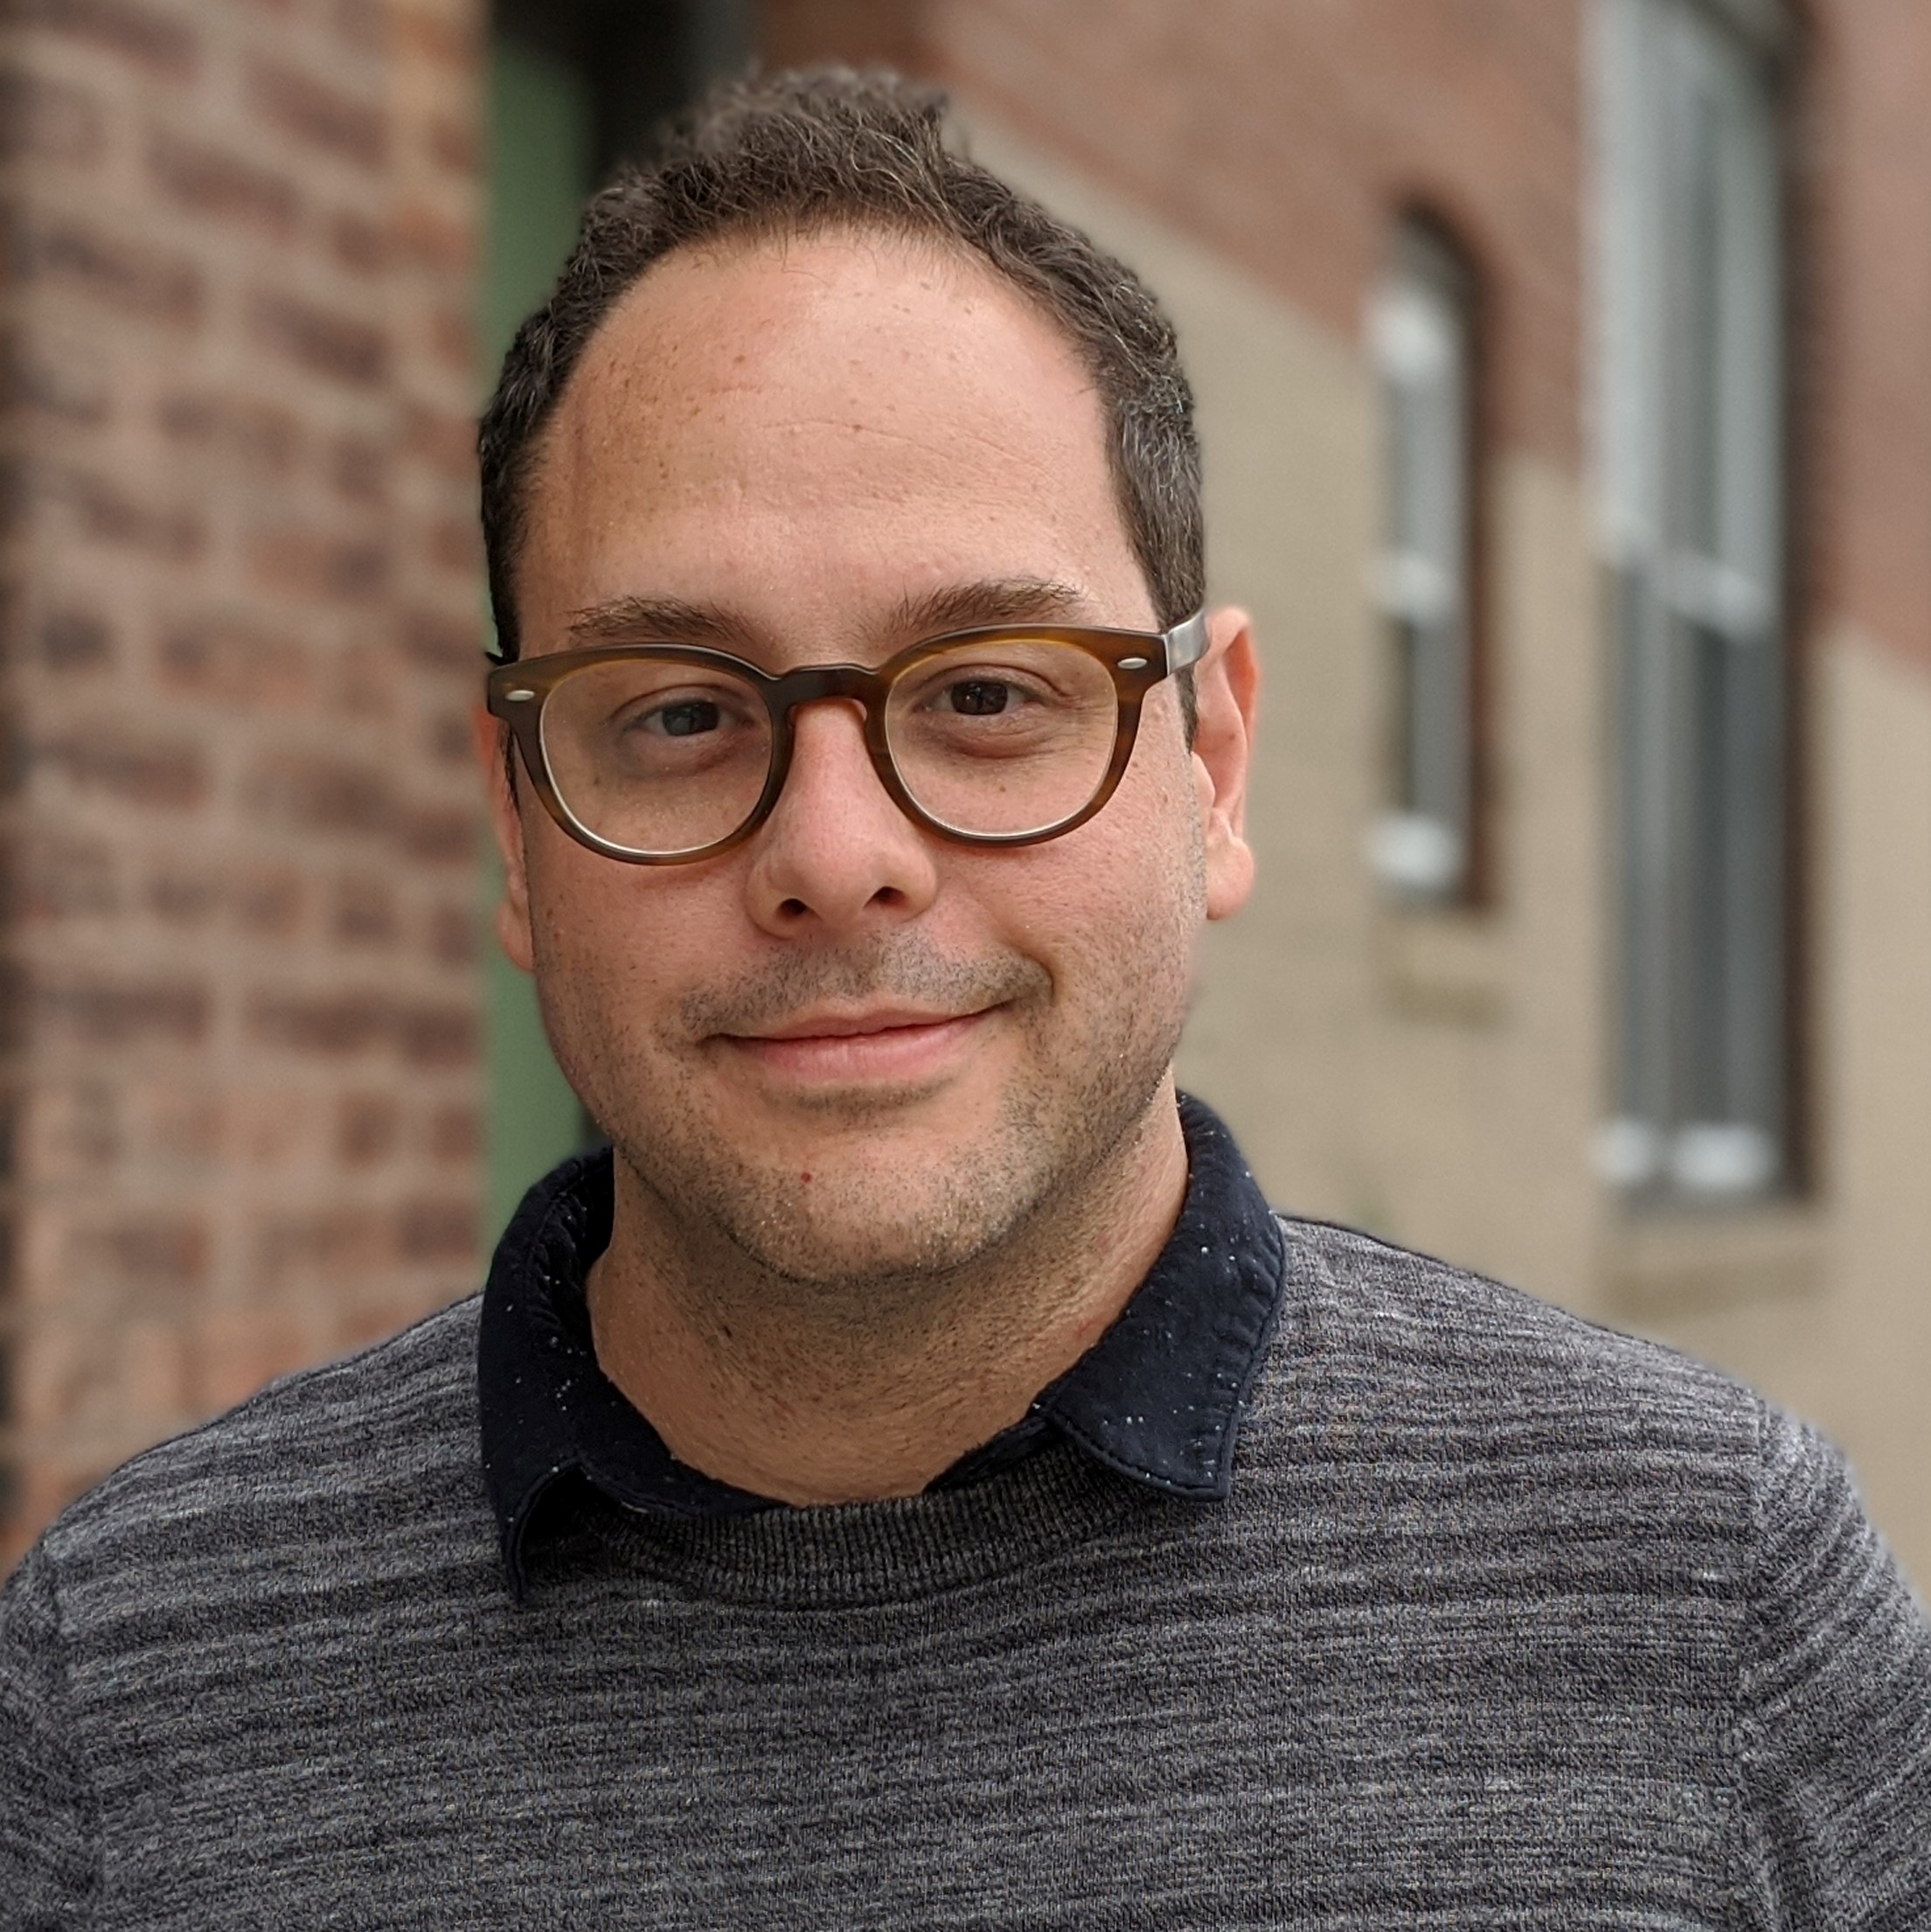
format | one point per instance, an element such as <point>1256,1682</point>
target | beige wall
<point>1439,1077</point>
<point>1848,1341</point>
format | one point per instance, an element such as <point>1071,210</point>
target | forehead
<point>800,419</point>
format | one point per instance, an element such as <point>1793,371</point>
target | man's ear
<point>1226,687</point>
<point>512,916</point>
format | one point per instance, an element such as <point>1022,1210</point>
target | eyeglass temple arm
<point>1186,642</point>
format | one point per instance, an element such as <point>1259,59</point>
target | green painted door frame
<point>540,130</point>
<point>575,86</point>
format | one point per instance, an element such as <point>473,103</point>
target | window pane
<point>1421,338</point>
<point>1694,384</point>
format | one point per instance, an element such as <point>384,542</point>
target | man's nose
<point>836,853</point>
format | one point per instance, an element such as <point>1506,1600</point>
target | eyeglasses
<point>1004,735</point>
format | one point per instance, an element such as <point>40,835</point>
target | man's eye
<point>979,697</point>
<point>688,720</point>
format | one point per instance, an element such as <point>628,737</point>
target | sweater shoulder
<point>1476,1352</point>
<point>354,1440</point>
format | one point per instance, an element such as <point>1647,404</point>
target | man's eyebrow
<point>636,618</point>
<point>997,600</point>
<point>632,618</point>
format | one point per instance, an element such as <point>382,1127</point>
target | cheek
<point>1111,910</point>
<point>616,946</point>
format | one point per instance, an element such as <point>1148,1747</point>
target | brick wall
<point>238,628</point>
<point>1863,163</point>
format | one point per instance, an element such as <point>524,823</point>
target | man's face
<point>852,1048</point>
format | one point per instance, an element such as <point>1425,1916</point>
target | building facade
<point>1566,401</point>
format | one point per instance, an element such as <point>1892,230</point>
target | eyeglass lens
<point>992,737</point>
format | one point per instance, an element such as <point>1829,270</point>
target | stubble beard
<point>877,1255</point>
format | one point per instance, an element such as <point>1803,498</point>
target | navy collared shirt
<point>1158,1399</point>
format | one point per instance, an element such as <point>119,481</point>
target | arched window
<point>1422,339</point>
<point>1692,446</point>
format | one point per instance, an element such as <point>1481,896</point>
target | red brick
<point>72,640</point>
<point>261,438</point>
<point>242,665</point>
<point>862,32</point>
<point>62,874</point>
<point>235,1351</point>
<point>83,1008</point>
<point>357,243</point>
<point>437,1035</point>
<point>156,38</point>
<point>78,1131</point>
<point>333,1023</point>
<point>442,835</point>
<point>454,142</point>
<point>154,1372</point>
<point>65,379</point>
<point>175,1125</point>
<point>364,913</point>
<point>447,737</point>
<point>109,511</point>
<point>443,643</point>
<point>454,544</point>
<point>128,277</point>
<point>440,1232</point>
<point>419,233</point>
<point>48,119</point>
<point>333,793</point>
<point>269,900</point>
<point>453,934</point>
<point>224,186</point>
<point>362,469</point>
<point>456,1134</point>
<point>336,1244</point>
<point>142,768</point>
<point>360,25</point>
<point>16,989</point>
<point>443,440</point>
<point>309,109</point>
<point>302,562</point>
<point>184,893</point>
<point>367,1127</point>
<point>441,36</point>
<point>452,339</point>
<point>326,341</point>
<point>368,681</point>
<point>19,493</point>
<point>141,1254</point>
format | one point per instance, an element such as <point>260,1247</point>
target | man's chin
<point>894,1197</point>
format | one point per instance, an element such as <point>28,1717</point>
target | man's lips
<point>885,1044</point>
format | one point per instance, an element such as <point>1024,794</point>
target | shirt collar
<point>1159,1399</point>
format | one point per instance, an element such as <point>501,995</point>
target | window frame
<point>1696,481</point>
<point>1427,847</point>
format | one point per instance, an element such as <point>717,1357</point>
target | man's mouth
<point>841,1046</point>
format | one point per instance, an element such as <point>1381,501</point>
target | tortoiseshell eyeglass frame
<point>516,692</point>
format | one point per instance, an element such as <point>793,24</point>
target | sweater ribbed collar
<point>1159,1399</point>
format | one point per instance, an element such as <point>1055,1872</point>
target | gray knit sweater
<point>1509,1621</point>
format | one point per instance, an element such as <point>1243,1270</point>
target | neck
<point>792,1399</point>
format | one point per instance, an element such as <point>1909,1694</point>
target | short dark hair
<point>826,148</point>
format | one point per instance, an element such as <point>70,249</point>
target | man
<point>914,1480</point>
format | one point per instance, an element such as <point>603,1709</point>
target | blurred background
<point>1565,375</point>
